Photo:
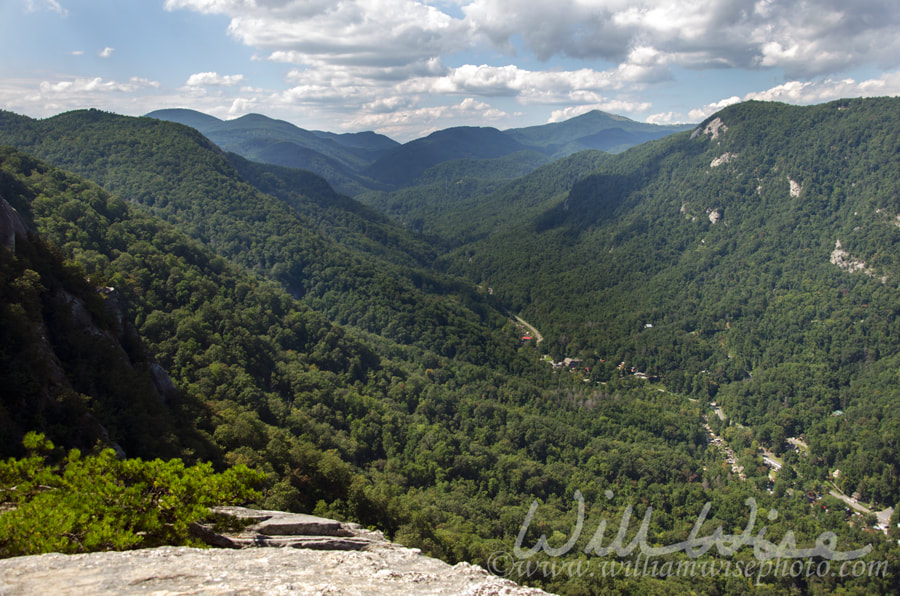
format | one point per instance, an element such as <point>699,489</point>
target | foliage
<point>99,502</point>
<point>752,309</point>
<point>403,164</point>
<point>187,181</point>
<point>339,158</point>
<point>424,416</point>
<point>442,204</point>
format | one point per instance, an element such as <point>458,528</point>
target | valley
<point>336,313</point>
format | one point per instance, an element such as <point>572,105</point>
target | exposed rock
<point>713,129</point>
<point>795,188</point>
<point>11,225</point>
<point>181,570</point>
<point>844,261</point>
<point>78,312</point>
<point>723,159</point>
<point>294,530</point>
<point>377,566</point>
<point>164,384</point>
<point>715,215</point>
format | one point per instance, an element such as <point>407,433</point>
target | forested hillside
<point>344,261</point>
<point>440,454</point>
<point>340,158</point>
<point>310,338</point>
<point>754,262</point>
<point>457,203</point>
<point>594,130</point>
<point>64,338</point>
<point>360,163</point>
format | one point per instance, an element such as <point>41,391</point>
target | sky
<point>406,68</point>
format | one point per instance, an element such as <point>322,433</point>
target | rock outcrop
<point>723,159</point>
<point>713,129</point>
<point>317,556</point>
<point>291,530</point>
<point>12,225</point>
<point>845,262</point>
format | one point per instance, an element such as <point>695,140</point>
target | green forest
<point>758,309</point>
<point>181,313</point>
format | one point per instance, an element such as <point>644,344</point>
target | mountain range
<point>364,351</point>
<point>359,162</point>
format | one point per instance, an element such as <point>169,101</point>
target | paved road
<point>884,516</point>
<point>720,413</point>
<point>538,338</point>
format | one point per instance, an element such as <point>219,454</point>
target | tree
<point>98,502</point>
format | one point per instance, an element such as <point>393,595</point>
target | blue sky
<point>408,67</point>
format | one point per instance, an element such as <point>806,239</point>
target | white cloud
<point>78,86</point>
<point>698,114</point>
<point>583,86</point>
<point>405,66</point>
<point>51,5</point>
<point>665,118</point>
<point>370,33</point>
<point>803,38</point>
<point>798,93</point>
<point>106,52</point>
<point>49,97</point>
<point>241,106</point>
<point>364,58</point>
<point>419,121</point>
<point>205,79</point>
<point>811,92</point>
<point>642,38</point>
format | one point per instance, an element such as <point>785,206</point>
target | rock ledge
<point>327,557</point>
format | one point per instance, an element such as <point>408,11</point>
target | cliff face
<point>11,226</point>
<point>317,556</point>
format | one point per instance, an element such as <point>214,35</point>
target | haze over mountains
<point>354,162</point>
<point>361,350</point>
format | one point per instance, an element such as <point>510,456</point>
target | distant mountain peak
<point>185,116</point>
<point>595,114</point>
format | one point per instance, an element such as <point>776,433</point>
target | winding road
<point>538,338</point>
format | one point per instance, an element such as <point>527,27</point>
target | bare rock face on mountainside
<point>11,225</point>
<point>317,556</point>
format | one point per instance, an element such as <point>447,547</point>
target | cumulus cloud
<point>698,114</point>
<point>49,97</point>
<point>803,38</point>
<point>106,52</point>
<point>241,106</point>
<point>582,86</point>
<point>419,121</point>
<point>374,56</point>
<point>94,85</point>
<point>665,118</point>
<point>372,33</point>
<point>794,92</point>
<point>811,92</point>
<point>403,67</point>
<point>213,79</point>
